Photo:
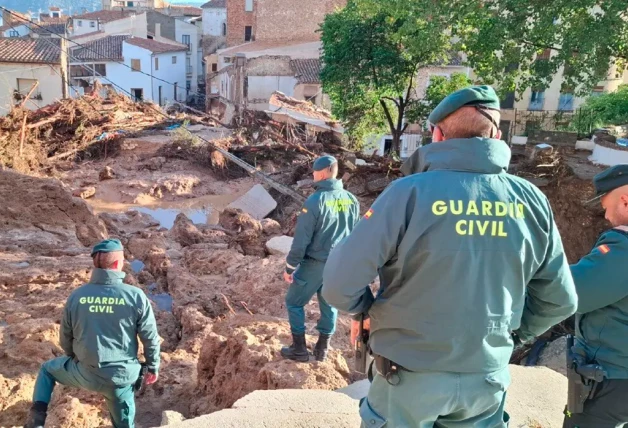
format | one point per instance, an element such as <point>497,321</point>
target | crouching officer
<point>327,216</point>
<point>602,316</point>
<point>99,329</point>
<point>466,253</point>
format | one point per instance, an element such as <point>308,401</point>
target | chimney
<point>83,10</point>
<point>157,30</point>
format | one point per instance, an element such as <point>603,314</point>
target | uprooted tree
<point>369,73</point>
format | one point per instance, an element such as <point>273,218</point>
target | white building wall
<point>50,84</point>
<point>173,73</point>
<point>262,87</point>
<point>21,29</point>
<point>83,26</point>
<point>129,79</point>
<point>135,25</point>
<point>183,28</point>
<point>213,20</point>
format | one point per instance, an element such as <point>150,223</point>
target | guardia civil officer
<point>601,279</point>
<point>466,254</point>
<point>327,216</point>
<point>99,335</point>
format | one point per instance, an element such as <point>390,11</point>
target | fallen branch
<point>246,307</point>
<point>228,304</point>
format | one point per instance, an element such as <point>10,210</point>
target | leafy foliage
<point>610,108</point>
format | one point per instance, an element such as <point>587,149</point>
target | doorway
<point>138,94</point>
<point>387,146</point>
<point>160,100</point>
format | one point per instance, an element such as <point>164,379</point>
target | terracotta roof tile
<point>155,46</point>
<point>107,48</point>
<point>47,28</point>
<point>106,15</point>
<point>306,70</point>
<point>28,50</point>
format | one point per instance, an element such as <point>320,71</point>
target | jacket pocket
<point>369,416</point>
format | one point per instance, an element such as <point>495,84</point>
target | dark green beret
<point>107,246</point>
<point>474,95</point>
<point>324,162</point>
<point>610,179</point>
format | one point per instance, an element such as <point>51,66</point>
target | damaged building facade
<point>264,55</point>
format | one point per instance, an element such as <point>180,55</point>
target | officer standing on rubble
<point>466,254</point>
<point>601,279</point>
<point>99,329</point>
<point>327,216</point>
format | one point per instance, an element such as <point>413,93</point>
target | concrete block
<point>609,156</point>
<point>585,145</point>
<point>357,390</point>
<point>169,417</point>
<point>257,202</point>
<point>519,140</point>
<point>279,245</point>
<point>541,148</point>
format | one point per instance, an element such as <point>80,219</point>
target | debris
<point>304,183</point>
<point>541,148</point>
<point>279,245</point>
<point>360,162</point>
<point>257,202</point>
<point>155,163</point>
<point>106,174</point>
<point>349,165</point>
<point>84,192</point>
<point>168,417</point>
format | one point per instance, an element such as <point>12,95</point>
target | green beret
<point>475,95</point>
<point>107,246</point>
<point>610,179</point>
<point>324,162</point>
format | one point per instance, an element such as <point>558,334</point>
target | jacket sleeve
<point>306,224</point>
<point>411,165</point>
<point>356,260</point>
<point>551,295</point>
<point>66,336</point>
<point>147,331</point>
<point>600,275</point>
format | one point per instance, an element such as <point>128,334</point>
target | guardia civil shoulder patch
<point>304,210</point>
<point>604,249</point>
<point>369,213</point>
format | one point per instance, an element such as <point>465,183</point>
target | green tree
<point>369,73</point>
<point>438,88</point>
<point>608,109</point>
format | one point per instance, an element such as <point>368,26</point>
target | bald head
<point>113,260</point>
<point>327,173</point>
<point>468,122</point>
<point>615,203</point>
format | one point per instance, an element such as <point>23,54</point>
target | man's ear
<point>437,135</point>
<point>499,134</point>
<point>116,265</point>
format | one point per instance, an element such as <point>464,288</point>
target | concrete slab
<point>257,202</point>
<point>279,245</point>
<point>357,390</point>
<point>299,400</point>
<point>608,156</point>
<point>585,145</point>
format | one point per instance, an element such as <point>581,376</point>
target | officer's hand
<point>151,378</point>
<point>288,277</point>
<point>355,329</point>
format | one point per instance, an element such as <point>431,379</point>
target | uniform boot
<point>320,350</point>
<point>297,351</point>
<point>37,415</point>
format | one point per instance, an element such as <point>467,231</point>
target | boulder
<point>106,174</point>
<point>279,245</point>
<point>84,192</point>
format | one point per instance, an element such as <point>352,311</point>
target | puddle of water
<point>166,216</point>
<point>163,301</point>
<point>137,266</point>
<point>22,264</point>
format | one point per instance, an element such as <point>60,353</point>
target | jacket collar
<point>106,277</point>
<point>329,184</point>
<point>481,155</point>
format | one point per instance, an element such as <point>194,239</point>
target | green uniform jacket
<point>327,216</point>
<point>465,252</point>
<point>100,326</point>
<point>601,280</point>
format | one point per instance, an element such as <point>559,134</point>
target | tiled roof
<point>45,18</point>
<point>306,70</point>
<point>91,33</point>
<point>215,4</point>
<point>54,8</point>
<point>28,50</point>
<point>181,11</point>
<point>107,48</point>
<point>155,46</point>
<point>105,15</point>
<point>48,28</point>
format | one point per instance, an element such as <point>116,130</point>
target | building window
<point>224,28</point>
<point>597,91</point>
<point>214,67</point>
<point>138,94</point>
<point>24,86</point>
<point>188,85</point>
<point>174,59</point>
<point>13,33</point>
<point>100,69</point>
<point>508,102</point>
<point>188,65</point>
<point>55,14</point>
<point>248,6</point>
<point>92,24</point>
<point>175,91</point>
<point>136,65</point>
<point>248,32</point>
<point>79,23</point>
<point>129,4</point>
<point>185,39</point>
<point>565,102</point>
<point>156,64</point>
<point>537,99</point>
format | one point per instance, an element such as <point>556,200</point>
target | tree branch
<point>393,100</point>
<point>388,116</point>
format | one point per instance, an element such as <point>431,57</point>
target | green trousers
<point>436,399</point>
<point>608,408</point>
<point>64,370</point>
<point>308,281</point>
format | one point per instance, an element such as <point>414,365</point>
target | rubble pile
<point>91,125</point>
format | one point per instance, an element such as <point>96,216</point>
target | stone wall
<point>238,19</point>
<point>552,137</point>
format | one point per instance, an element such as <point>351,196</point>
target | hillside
<point>67,6</point>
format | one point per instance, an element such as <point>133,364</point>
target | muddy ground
<point>217,294</point>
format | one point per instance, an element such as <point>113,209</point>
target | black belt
<point>388,369</point>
